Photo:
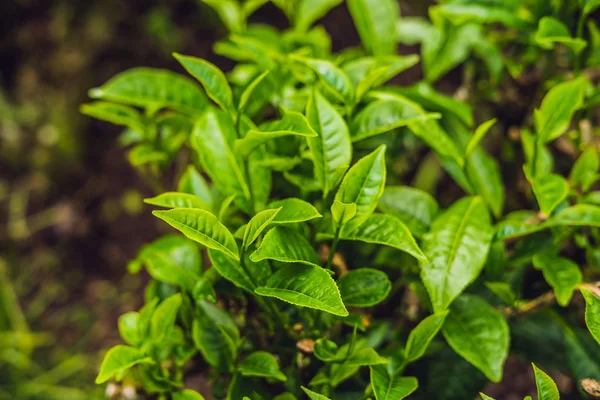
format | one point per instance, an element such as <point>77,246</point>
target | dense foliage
<point>306,266</point>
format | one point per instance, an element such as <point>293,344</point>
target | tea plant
<point>307,266</point>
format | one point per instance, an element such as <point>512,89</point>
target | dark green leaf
<point>331,149</point>
<point>385,115</point>
<point>364,287</point>
<point>457,248</point>
<point>479,334</point>
<point>416,208</point>
<point>420,337</point>
<point>375,21</point>
<point>560,273</point>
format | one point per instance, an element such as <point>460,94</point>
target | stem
<point>334,244</point>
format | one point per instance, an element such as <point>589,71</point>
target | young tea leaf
<point>118,359</point>
<point>392,387</point>
<point>375,21</point>
<point>560,273</point>
<point>305,286</point>
<point>550,190</point>
<point>203,227</point>
<point>163,319</point>
<point>258,224</point>
<point>546,388</point>
<point>363,185</point>
<point>285,245</point>
<point>420,337</point>
<point>212,78</point>
<point>592,313</point>
<point>294,210</point>
<point>414,207</point>
<point>177,200</point>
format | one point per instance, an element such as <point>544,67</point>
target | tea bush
<point>307,266</point>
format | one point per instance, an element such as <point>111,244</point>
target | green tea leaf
<point>177,200</point>
<point>331,149</point>
<point>385,115</point>
<point>166,269</point>
<point>258,224</point>
<point>552,30</point>
<point>363,357</point>
<point>485,397</point>
<point>230,13</point>
<point>443,50</point>
<point>414,207</point>
<point>305,286</point>
<point>479,334</point>
<point>560,273</point>
<point>261,364</point>
<point>592,313</point>
<point>553,117</point>
<point>164,317</point>
<point>117,114</point>
<point>309,11</point>
<point>118,359</point>
<point>483,173</point>
<point>550,190</point>
<point>193,183</point>
<point>367,73</point>
<point>342,212</point>
<point>187,394</point>
<point>589,6</point>
<point>285,245</point>
<point>294,210</point>
<point>129,328</point>
<point>314,395</point>
<point>363,185</point>
<point>212,78</point>
<point>213,139</point>
<point>457,247</point>
<point>393,387</point>
<point>292,123</point>
<point>326,350</point>
<point>153,89</point>
<point>216,336</point>
<point>249,90</point>
<point>202,227</point>
<point>364,287</point>
<point>478,136</point>
<point>375,21</point>
<point>333,78</point>
<point>585,170</point>
<point>420,337</point>
<point>231,270</point>
<point>546,388</point>
<point>386,230</point>
<point>577,215</point>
